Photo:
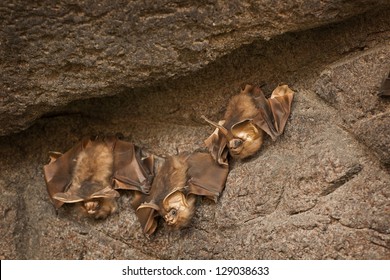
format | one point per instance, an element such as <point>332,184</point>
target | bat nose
<point>168,219</point>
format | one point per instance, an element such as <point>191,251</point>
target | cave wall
<point>54,52</point>
<point>321,191</point>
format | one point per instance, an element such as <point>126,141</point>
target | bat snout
<point>235,143</point>
<point>235,147</point>
<point>169,219</point>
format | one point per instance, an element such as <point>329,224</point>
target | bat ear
<point>147,213</point>
<point>54,156</point>
<point>107,192</point>
<point>281,90</point>
<point>68,197</point>
<point>245,129</point>
<point>247,89</point>
<point>252,90</point>
<point>174,198</point>
<point>216,144</point>
<point>222,129</point>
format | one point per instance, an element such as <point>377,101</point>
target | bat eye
<point>235,143</point>
<point>173,212</point>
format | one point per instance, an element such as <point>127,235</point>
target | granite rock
<point>57,52</point>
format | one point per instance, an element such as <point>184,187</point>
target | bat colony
<point>91,172</point>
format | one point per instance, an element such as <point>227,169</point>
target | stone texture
<point>321,191</point>
<point>375,133</point>
<point>363,111</point>
<point>56,52</point>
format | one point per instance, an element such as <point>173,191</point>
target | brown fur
<point>173,176</point>
<point>240,107</point>
<point>99,208</point>
<point>92,172</point>
<point>93,164</point>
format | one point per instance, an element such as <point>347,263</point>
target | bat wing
<point>216,143</point>
<point>66,197</point>
<point>385,88</point>
<point>69,197</point>
<point>206,176</point>
<point>107,192</point>
<point>274,112</point>
<point>58,172</point>
<point>147,213</point>
<point>132,171</point>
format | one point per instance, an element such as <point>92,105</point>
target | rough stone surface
<point>56,52</point>
<point>375,133</point>
<point>363,111</point>
<point>321,191</point>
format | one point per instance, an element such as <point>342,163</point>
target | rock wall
<point>321,191</point>
<point>56,52</point>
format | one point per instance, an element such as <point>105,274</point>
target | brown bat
<point>248,115</point>
<point>91,171</point>
<point>385,87</point>
<point>175,189</point>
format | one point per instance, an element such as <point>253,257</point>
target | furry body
<point>92,173</point>
<point>168,188</point>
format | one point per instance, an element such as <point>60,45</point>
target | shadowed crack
<point>380,241</point>
<point>349,175</point>
<point>302,211</point>
<point>369,228</point>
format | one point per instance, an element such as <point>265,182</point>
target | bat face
<point>179,209</point>
<point>247,140</point>
<point>244,148</point>
<point>100,208</point>
<point>92,206</point>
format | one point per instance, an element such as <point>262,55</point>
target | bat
<point>385,87</point>
<point>92,171</point>
<point>248,115</point>
<point>90,183</point>
<point>178,183</point>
